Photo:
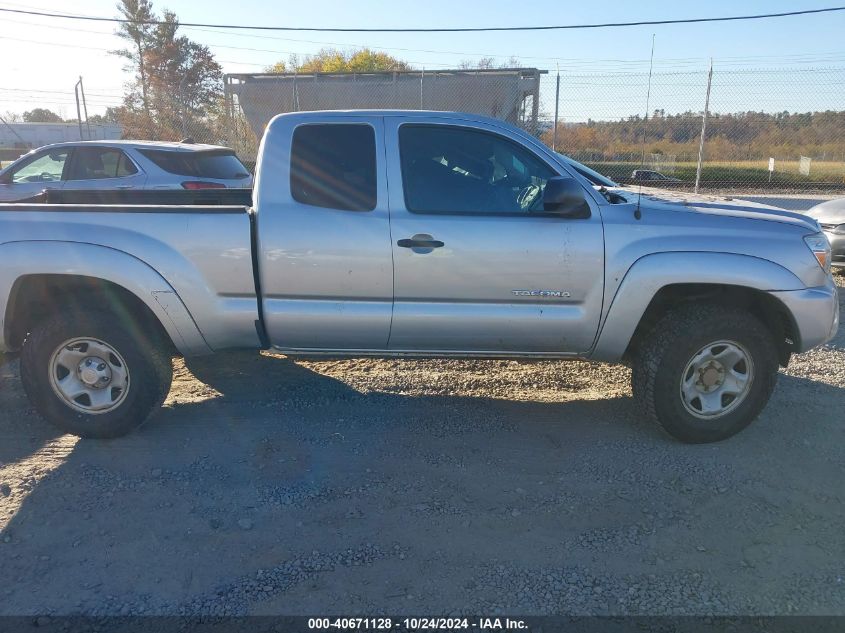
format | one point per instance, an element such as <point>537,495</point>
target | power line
<point>97,93</point>
<point>107,50</point>
<point>668,62</point>
<point>436,30</point>
<point>568,63</point>
<point>576,67</point>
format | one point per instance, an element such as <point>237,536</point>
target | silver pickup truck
<point>414,234</point>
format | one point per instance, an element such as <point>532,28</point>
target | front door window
<point>455,170</point>
<point>43,169</point>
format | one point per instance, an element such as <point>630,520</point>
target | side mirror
<point>6,179</point>
<point>565,197</point>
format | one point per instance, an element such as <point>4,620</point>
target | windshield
<point>590,174</point>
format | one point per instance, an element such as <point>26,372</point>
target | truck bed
<point>203,253</point>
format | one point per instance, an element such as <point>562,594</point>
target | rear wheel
<point>705,372</point>
<point>92,379</point>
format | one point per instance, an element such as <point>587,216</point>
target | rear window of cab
<point>333,166</point>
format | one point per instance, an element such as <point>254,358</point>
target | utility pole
<point>557,104</point>
<point>703,126</point>
<point>85,108</point>
<point>77,90</point>
<point>78,112</point>
<point>12,130</point>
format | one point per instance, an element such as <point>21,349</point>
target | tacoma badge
<point>541,293</point>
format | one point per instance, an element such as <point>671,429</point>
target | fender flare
<point>21,259</point>
<point>650,273</point>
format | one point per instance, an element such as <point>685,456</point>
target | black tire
<point>665,353</point>
<point>149,364</point>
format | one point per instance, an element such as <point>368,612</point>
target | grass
<point>751,171</point>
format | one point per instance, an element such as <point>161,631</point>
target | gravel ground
<point>267,486</point>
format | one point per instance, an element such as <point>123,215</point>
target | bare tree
<point>138,30</point>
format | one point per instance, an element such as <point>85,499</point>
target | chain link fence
<point>765,129</point>
<point>780,129</point>
<point>758,130</point>
<point>253,99</point>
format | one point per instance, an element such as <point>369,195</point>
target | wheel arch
<point>657,283</point>
<point>770,310</point>
<point>39,278</point>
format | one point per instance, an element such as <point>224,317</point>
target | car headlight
<point>839,230</point>
<point>818,243</point>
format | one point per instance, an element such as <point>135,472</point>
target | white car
<point>831,217</point>
<point>122,165</point>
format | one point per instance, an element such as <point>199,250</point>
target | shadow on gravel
<point>22,431</point>
<point>254,376</point>
<point>291,463</point>
<point>254,381</point>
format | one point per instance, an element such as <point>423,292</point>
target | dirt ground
<point>267,486</point>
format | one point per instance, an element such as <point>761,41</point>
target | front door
<point>478,266</point>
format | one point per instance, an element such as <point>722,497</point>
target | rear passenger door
<point>103,168</point>
<point>324,234</point>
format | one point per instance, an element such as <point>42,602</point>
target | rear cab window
<point>220,164</point>
<point>333,165</point>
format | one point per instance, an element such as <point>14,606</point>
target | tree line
<point>734,136</point>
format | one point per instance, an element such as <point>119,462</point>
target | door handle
<point>124,187</point>
<point>420,241</point>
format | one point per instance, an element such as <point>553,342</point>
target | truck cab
<point>434,238</point>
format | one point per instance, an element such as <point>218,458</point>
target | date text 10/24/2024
<point>418,624</point>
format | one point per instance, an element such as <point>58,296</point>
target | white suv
<point>122,165</point>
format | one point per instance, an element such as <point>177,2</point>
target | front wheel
<point>705,372</point>
<point>92,379</point>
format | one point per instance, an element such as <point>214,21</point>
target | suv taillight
<point>199,184</point>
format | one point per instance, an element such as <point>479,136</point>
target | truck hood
<point>724,206</point>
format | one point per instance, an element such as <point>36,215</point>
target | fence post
<point>557,104</point>
<point>229,107</point>
<point>183,114</point>
<point>703,126</point>
<point>422,76</point>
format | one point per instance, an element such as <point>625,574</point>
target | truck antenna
<point>637,213</point>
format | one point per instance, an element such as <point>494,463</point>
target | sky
<point>42,58</point>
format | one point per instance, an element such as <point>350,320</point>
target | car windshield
<point>220,164</point>
<point>590,174</point>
